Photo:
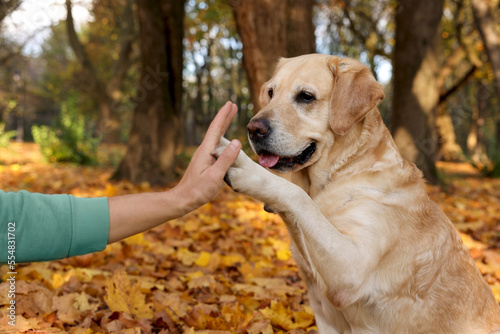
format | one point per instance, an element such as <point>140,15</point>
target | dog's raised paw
<point>228,181</point>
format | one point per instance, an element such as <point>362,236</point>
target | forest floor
<point>224,268</point>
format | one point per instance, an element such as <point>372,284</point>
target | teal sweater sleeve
<point>50,227</point>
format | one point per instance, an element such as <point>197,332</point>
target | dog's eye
<point>305,97</point>
<point>270,93</point>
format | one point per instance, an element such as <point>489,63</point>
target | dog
<point>376,253</point>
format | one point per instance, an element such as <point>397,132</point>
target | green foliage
<point>5,136</point>
<point>70,141</point>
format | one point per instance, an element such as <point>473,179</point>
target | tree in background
<point>485,23</point>
<point>468,94</point>
<point>213,70</point>
<point>8,50</point>
<point>416,94</point>
<point>359,29</point>
<point>154,137</point>
<point>106,89</point>
<point>270,30</point>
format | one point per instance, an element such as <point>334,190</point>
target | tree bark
<point>485,24</point>
<point>416,91</point>
<point>155,132</point>
<point>270,30</point>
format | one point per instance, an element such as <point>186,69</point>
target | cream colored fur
<point>378,256</point>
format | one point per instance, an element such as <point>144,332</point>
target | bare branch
<point>79,50</point>
<point>444,95</point>
<point>373,27</point>
<point>450,65</point>
<point>127,40</point>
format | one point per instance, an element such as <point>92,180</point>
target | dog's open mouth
<point>269,160</point>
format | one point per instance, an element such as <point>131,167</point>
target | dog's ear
<point>355,92</point>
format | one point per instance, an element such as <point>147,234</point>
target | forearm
<point>136,213</point>
<point>49,227</point>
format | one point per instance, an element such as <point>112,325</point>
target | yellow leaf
<point>193,275</point>
<point>84,274</point>
<point>122,296</point>
<point>203,260</point>
<point>235,317</point>
<point>186,256</point>
<point>137,239</point>
<point>192,225</point>
<point>57,280</point>
<point>282,316</point>
<point>88,331</point>
<point>82,302</point>
<point>229,260</point>
<point>496,290</point>
<point>246,270</point>
<point>283,254</point>
<point>267,251</point>
<point>110,190</point>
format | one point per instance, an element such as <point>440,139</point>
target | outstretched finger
<point>219,125</point>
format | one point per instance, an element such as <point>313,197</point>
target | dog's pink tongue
<point>268,160</point>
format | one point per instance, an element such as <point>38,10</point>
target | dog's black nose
<point>258,129</point>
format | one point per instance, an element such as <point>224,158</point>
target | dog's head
<point>307,100</point>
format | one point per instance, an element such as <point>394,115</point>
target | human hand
<point>204,175</point>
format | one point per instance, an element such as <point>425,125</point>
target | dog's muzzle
<point>259,133</point>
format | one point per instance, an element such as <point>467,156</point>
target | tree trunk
<point>300,28</point>
<point>155,132</point>
<point>416,91</point>
<point>486,25</point>
<point>270,30</point>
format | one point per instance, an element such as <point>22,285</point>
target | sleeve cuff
<point>90,228</point>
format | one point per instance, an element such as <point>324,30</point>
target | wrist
<point>182,199</point>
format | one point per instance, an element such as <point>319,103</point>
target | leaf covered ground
<point>224,268</point>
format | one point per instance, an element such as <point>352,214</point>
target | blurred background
<point>100,98</point>
<point>150,75</point>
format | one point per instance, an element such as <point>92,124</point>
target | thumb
<point>227,158</point>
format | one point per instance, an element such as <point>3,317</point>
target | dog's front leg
<point>329,254</point>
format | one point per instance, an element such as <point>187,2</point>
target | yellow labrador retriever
<point>378,256</point>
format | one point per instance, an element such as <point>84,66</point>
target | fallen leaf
<point>122,296</point>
